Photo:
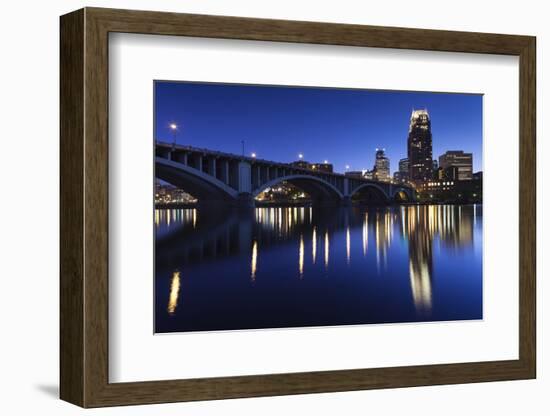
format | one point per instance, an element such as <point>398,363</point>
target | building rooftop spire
<point>421,112</point>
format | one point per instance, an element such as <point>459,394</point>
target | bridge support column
<point>346,187</point>
<point>224,174</point>
<point>258,175</point>
<point>246,200</point>
<point>212,166</point>
<point>245,177</point>
<point>346,201</point>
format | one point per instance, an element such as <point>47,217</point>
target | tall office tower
<point>404,168</point>
<point>461,161</point>
<point>382,166</point>
<point>404,165</point>
<point>402,175</point>
<point>419,147</point>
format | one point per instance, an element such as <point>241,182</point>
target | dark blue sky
<point>342,126</point>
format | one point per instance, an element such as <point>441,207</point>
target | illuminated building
<point>322,167</point>
<point>168,194</point>
<point>444,190</point>
<point>404,165</point>
<point>355,174</point>
<point>460,160</point>
<point>369,174</point>
<point>283,192</point>
<point>381,166</point>
<point>399,177</point>
<point>301,164</point>
<point>402,175</point>
<point>419,147</point>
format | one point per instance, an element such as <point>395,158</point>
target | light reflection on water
<point>254,261</point>
<point>407,241</point>
<point>174,292</point>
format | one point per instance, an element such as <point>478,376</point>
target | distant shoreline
<point>176,205</point>
<point>190,205</point>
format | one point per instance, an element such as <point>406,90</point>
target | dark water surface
<point>307,266</point>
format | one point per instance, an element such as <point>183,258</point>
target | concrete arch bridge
<point>213,177</point>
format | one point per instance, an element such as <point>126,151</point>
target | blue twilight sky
<point>343,126</point>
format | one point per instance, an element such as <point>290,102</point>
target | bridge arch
<point>202,186</point>
<point>316,187</point>
<point>402,195</point>
<point>373,192</point>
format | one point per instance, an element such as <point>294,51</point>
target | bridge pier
<point>346,201</point>
<point>246,200</point>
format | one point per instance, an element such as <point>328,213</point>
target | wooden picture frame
<point>84,207</point>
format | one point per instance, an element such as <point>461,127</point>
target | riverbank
<point>260,204</point>
<point>176,205</point>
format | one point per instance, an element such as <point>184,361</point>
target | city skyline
<point>310,205</point>
<point>308,121</point>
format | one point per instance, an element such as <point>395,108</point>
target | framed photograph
<point>257,207</point>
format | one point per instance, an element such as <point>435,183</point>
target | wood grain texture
<point>84,207</point>
<point>71,217</point>
<point>527,207</point>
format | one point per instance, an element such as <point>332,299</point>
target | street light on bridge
<point>174,128</point>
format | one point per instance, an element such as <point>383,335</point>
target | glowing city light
<point>301,256</point>
<point>300,156</point>
<point>173,126</point>
<point>253,154</point>
<point>174,293</point>
<point>254,261</point>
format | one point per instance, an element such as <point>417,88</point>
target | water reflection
<point>254,261</point>
<point>301,257</point>
<point>174,293</point>
<point>348,246</point>
<point>365,233</point>
<point>327,249</point>
<point>405,242</point>
<point>171,219</point>
<point>420,229</point>
<point>314,245</point>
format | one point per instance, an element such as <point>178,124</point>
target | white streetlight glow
<point>347,166</point>
<point>253,154</point>
<point>301,156</point>
<point>326,161</point>
<point>174,128</point>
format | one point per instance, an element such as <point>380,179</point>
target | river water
<point>305,266</point>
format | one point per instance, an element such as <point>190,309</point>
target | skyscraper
<point>382,166</point>
<point>419,147</point>
<point>404,165</point>
<point>402,175</point>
